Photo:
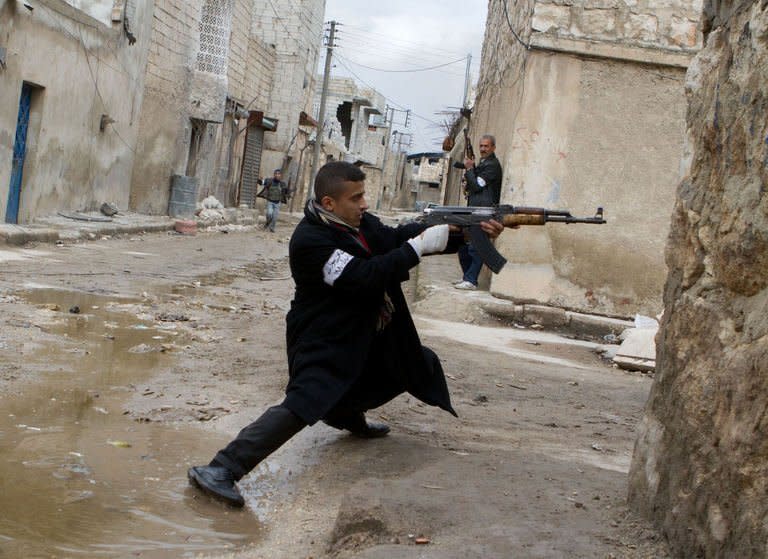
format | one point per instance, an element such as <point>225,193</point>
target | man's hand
<point>493,228</point>
<point>469,163</point>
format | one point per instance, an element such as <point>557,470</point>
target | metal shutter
<point>249,185</point>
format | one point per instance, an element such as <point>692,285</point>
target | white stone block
<point>598,23</point>
<point>551,18</point>
<point>683,33</point>
<point>644,27</point>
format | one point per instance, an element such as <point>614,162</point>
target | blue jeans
<point>273,208</point>
<point>470,262</point>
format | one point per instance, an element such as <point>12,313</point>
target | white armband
<point>335,266</point>
<point>481,182</point>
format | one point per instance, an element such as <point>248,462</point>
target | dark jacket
<point>274,191</point>
<point>488,171</point>
<point>337,356</point>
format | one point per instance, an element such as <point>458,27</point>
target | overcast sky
<point>400,35</point>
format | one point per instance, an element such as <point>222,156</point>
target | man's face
<point>350,205</point>
<point>278,175</point>
<point>486,147</point>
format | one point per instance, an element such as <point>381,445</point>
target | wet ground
<point>77,477</point>
<point>125,361</point>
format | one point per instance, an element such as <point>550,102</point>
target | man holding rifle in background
<point>483,188</point>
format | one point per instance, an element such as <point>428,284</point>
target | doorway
<point>28,103</point>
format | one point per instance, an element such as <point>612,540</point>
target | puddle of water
<point>78,478</point>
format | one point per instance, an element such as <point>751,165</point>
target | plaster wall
<point>593,133</point>
<point>100,10</point>
<point>84,69</point>
<point>589,116</point>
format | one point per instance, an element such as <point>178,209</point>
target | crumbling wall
<point>700,467</point>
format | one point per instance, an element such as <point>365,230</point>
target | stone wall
<point>670,24</point>
<point>178,90</point>
<point>700,468</point>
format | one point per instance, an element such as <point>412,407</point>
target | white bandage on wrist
<point>416,245</point>
<point>433,239</point>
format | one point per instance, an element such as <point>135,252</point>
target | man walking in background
<point>483,188</point>
<point>276,192</point>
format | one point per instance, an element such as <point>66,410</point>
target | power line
<point>396,49</point>
<point>509,23</point>
<point>394,58</point>
<point>366,34</point>
<point>387,51</point>
<point>413,70</point>
<point>341,58</point>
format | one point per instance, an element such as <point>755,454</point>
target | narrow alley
<point>123,366</point>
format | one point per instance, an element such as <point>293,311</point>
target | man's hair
<point>278,171</point>
<point>332,176</point>
<point>489,137</point>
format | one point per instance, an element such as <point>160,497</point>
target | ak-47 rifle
<point>510,216</point>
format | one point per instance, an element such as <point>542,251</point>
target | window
<point>215,27</point>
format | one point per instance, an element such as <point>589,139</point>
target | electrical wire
<point>509,23</point>
<point>389,51</point>
<point>366,35</point>
<point>341,59</point>
<point>394,60</point>
<point>405,71</point>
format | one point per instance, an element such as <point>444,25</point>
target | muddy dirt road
<point>127,360</point>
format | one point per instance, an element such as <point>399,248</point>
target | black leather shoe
<point>372,431</point>
<point>217,482</point>
<point>358,426</point>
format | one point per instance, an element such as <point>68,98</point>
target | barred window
<point>215,27</point>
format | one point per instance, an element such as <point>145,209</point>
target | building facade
<point>71,91</point>
<point>356,129</point>
<point>225,97</point>
<point>586,101</point>
<point>105,101</point>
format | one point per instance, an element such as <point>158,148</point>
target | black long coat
<point>338,359</point>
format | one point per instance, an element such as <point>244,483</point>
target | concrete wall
<point>84,69</point>
<point>591,121</point>
<point>700,466</point>
<point>593,133</point>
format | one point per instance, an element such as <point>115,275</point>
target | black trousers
<point>258,440</point>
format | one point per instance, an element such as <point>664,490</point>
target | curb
<point>554,318</point>
<point>73,230</point>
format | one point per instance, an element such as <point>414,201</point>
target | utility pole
<point>466,81</point>
<point>321,115</point>
<point>389,119</point>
